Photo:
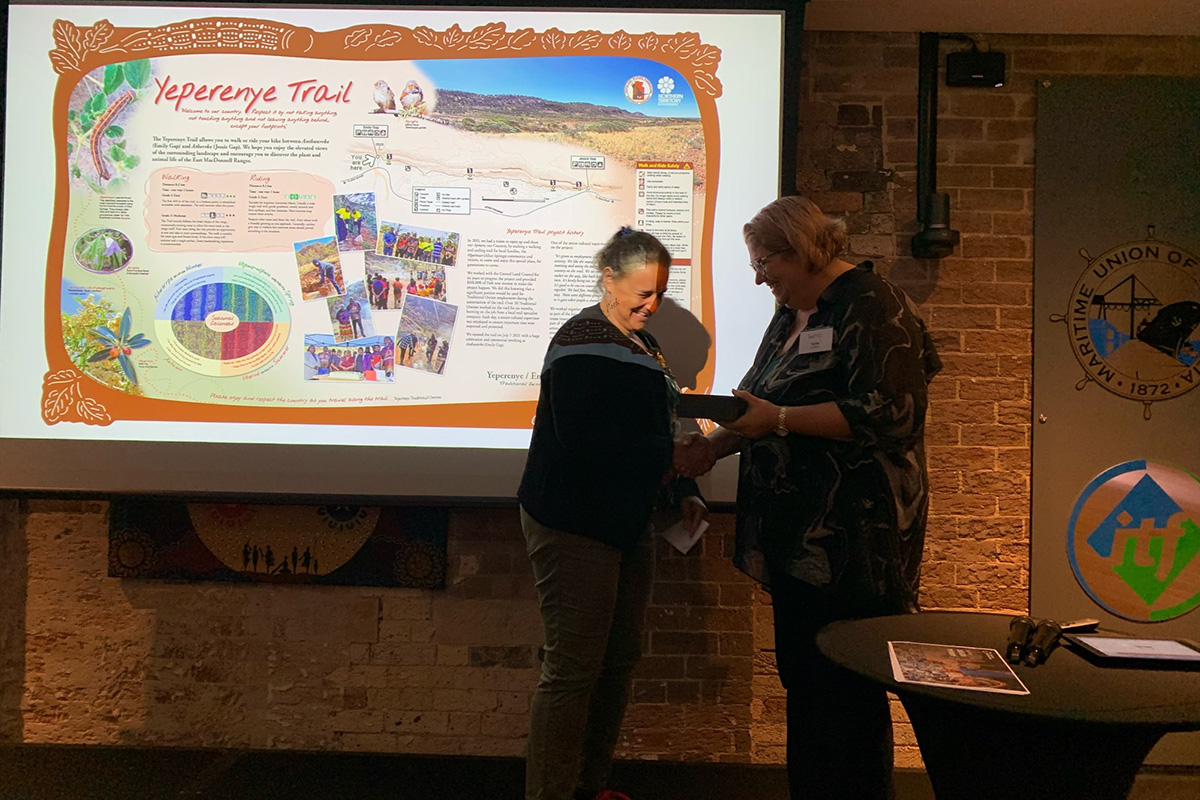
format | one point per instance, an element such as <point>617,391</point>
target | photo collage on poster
<point>394,301</point>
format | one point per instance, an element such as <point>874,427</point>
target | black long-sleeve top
<point>602,438</point>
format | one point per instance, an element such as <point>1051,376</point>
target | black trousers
<point>839,726</point>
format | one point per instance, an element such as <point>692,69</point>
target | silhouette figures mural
<point>349,545</point>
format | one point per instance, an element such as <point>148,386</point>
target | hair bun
<point>625,231</point>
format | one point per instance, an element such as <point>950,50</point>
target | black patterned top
<point>847,517</point>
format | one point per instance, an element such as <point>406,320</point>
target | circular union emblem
<point>638,89</point>
<point>1134,321</point>
<point>1134,541</point>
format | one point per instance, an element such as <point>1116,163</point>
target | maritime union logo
<point>1134,321</point>
<point>1134,540</point>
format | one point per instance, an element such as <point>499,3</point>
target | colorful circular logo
<point>1134,541</point>
<point>638,89</point>
<point>222,321</point>
<point>1134,321</point>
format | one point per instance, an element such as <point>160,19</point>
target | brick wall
<point>89,659</point>
<point>12,619</point>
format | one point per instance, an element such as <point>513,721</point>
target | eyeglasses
<point>759,264</point>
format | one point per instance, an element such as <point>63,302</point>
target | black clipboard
<point>717,407</point>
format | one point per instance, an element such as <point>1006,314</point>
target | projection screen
<point>319,251</point>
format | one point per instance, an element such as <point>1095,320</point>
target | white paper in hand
<point>679,537</point>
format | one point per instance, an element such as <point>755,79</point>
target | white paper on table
<point>679,537</point>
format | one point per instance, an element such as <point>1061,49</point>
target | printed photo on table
<point>423,338</point>
<point>320,268</point>
<point>351,314</point>
<point>354,221</point>
<point>372,358</point>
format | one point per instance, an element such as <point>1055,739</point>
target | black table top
<point>1067,686</point>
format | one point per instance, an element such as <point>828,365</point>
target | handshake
<point>694,455</point>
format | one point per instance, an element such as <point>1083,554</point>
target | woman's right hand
<point>694,455</point>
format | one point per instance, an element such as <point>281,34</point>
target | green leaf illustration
<point>96,104</point>
<point>137,73</point>
<point>127,367</point>
<point>114,76</point>
<point>105,335</point>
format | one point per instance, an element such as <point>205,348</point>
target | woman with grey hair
<point>832,493</point>
<point>599,462</point>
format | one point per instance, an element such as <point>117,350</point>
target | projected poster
<point>262,222</point>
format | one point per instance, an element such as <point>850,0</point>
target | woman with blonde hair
<point>832,492</point>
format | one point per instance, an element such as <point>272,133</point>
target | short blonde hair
<point>796,223</point>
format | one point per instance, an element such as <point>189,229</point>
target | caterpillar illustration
<point>102,123</point>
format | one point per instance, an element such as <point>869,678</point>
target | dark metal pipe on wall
<point>935,239</point>
<point>927,102</point>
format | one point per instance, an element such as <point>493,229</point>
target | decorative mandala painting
<point>347,545</point>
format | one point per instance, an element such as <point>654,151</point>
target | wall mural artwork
<point>1134,321</point>
<point>1134,540</point>
<point>349,545</point>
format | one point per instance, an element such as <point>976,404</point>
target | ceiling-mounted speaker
<point>973,68</point>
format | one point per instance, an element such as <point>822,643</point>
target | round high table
<point>1081,732</point>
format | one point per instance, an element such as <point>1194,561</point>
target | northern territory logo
<point>1134,321</point>
<point>1134,540</point>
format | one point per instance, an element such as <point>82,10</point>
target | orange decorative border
<point>83,49</point>
<point>68,395</point>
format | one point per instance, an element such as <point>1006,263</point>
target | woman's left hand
<point>760,418</point>
<point>694,512</point>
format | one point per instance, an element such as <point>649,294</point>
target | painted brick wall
<point>89,659</point>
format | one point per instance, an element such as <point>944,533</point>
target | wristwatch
<point>781,423</point>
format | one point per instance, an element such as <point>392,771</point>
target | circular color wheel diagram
<point>221,320</point>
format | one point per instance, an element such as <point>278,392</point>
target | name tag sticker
<point>816,340</point>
